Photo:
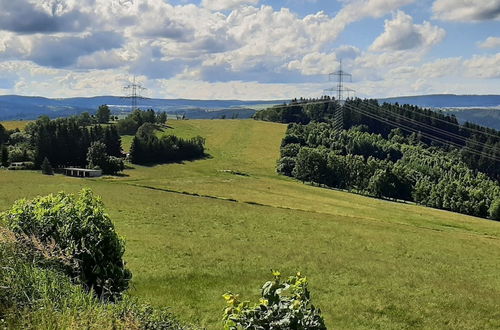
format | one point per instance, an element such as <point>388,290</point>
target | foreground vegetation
<point>61,266</point>
<point>196,230</point>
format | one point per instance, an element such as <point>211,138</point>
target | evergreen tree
<point>4,156</point>
<point>3,134</point>
<point>103,114</point>
<point>161,118</point>
<point>46,167</point>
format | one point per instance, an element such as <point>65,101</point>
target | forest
<point>391,151</point>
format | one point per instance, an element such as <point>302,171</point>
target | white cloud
<point>487,66</point>
<point>226,4</point>
<point>401,34</point>
<point>314,64</point>
<point>467,10</point>
<point>490,42</point>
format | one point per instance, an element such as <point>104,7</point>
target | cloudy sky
<point>248,49</point>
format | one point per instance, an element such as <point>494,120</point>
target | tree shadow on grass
<point>182,161</point>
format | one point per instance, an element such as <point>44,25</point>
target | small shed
<point>82,172</point>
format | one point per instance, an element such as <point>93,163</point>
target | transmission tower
<point>338,116</point>
<point>133,91</point>
<point>340,77</point>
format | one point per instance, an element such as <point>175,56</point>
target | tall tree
<point>103,114</point>
<point>4,156</point>
<point>3,134</point>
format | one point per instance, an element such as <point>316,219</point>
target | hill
<point>447,100</point>
<point>14,107</point>
<point>479,109</point>
<point>195,230</point>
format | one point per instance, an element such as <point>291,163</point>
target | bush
<point>83,233</point>
<point>495,209</point>
<point>46,167</point>
<point>98,158</point>
<point>39,298</point>
<point>284,305</point>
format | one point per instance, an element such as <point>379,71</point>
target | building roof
<point>81,169</point>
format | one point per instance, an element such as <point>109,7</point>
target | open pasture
<point>198,229</point>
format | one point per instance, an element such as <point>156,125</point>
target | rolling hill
<point>195,230</point>
<point>479,109</point>
<point>15,107</point>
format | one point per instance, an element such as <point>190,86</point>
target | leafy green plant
<point>32,297</point>
<point>83,234</point>
<point>495,210</point>
<point>285,304</point>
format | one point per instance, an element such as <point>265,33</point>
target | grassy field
<point>21,124</point>
<point>198,229</point>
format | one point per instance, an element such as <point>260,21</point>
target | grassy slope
<point>13,124</point>
<point>371,263</point>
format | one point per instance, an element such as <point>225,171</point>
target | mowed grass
<point>13,124</point>
<point>196,230</point>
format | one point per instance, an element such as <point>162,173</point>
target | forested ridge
<point>392,151</point>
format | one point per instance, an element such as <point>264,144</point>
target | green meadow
<point>196,230</point>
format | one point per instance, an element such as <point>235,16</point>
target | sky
<point>248,49</point>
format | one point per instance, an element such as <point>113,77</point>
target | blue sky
<point>248,49</point>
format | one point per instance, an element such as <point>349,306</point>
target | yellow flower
<point>276,273</point>
<point>264,301</point>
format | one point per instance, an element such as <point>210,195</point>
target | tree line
<point>62,142</point>
<point>479,146</point>
<point>396,167</point>
<point>148,148</point>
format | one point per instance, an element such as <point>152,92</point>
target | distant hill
<point>14,107</point>
<point>447,100</point>
<point>479,109</point>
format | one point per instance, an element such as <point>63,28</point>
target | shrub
<point>46,167</point>
<point>82,231</point>
<point>98,158</point>
<point>39,298</point>
<point>284,305</point>
<point>495,209</point>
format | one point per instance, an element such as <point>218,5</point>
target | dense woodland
<point>479,146</point>
<point>391,151</point>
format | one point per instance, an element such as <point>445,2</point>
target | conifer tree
<point>46,167</point>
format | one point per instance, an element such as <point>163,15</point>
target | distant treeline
<point>63,142</point>
<point>479,146</point>
<point>147,148</point>
<point>398,167</point>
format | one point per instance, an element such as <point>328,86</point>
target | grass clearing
<point>13,124</point>
<point>371,263</point>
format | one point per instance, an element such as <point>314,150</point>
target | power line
<point>408,129</point>
<point>340,89</point>
<point>134,93</point>
<point>426,135</point>
<point>432,128</point>
<point>457,125</point>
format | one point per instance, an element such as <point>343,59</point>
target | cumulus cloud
<point>226,4</point>
<point>467,10</point>
<point>487,66</point>
<point>490,42</point>
<point>63,51</point>
<point>401,34</point>
<point>46,16</point>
